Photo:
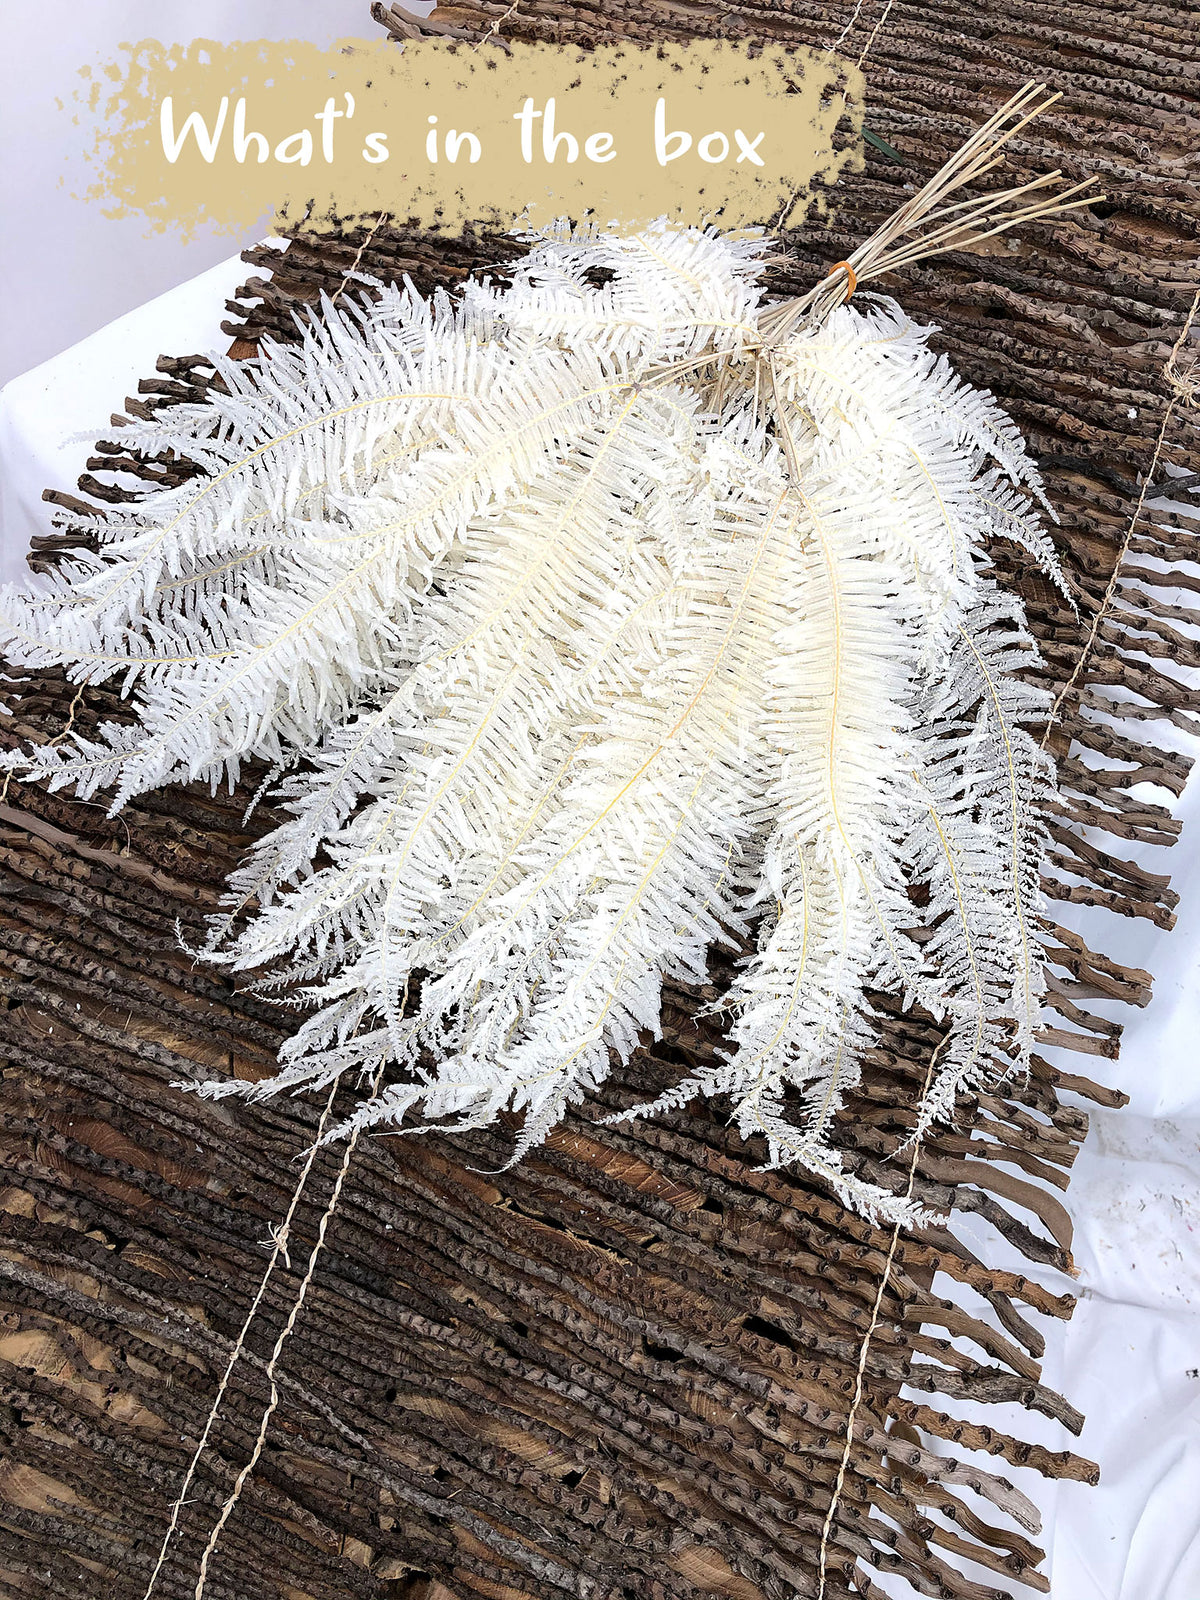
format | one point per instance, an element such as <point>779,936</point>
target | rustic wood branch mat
<point>622,1371</point>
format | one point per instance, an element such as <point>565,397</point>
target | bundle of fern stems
<point>587,622</point>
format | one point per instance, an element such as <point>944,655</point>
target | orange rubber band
<point>844,266</point>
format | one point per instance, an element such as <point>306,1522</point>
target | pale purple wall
<point>66,270</point>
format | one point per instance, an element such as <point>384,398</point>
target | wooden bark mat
<point>626,1369</point>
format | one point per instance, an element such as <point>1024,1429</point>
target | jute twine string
<point>281,1235</point>
<point>362,250</point>
<point>285,1334</point>
<point>1184,386</point>
<point>57,739</point>
<point>866,49</point>
<point>494,30</point>
<point>859,1376</point>
<point>852,23</point>
<point>848,29</point>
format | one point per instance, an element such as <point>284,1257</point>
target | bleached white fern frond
<point>592,620</point>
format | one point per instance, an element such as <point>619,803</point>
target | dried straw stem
<point>927,226</point>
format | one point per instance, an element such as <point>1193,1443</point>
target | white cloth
<point>1130,1357</point>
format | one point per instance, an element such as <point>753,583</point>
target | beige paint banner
<point>446,135</point>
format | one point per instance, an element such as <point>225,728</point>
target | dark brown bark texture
<point>624,1370</point>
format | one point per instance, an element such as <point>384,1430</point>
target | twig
<point>1173,486</point>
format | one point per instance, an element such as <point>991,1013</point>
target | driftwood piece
<point>625,1369</point>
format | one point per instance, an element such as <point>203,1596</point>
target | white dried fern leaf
<point>592,628</point>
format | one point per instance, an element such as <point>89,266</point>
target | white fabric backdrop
<point>1130,1357</point>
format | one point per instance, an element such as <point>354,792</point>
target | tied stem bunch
<point>589,622</point>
